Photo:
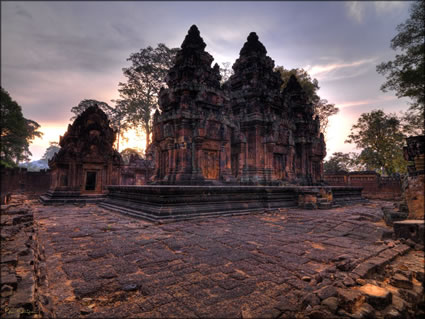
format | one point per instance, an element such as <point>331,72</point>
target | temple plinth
<point>234,148</point>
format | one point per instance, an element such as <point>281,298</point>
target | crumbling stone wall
<point>20,180</point>
<point>374,185</point>
<point>415,182</point>
<point>19,262</point>
<point>137,171</point>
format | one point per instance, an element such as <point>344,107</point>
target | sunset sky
<point>55,54</point>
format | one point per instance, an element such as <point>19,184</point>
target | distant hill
<point>35,166</point>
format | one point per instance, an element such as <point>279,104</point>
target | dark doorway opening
<point>91,181</point>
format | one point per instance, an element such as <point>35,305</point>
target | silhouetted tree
<point>51,151</point>
<point>406,73</point>
<point>322,107</point>
<point>145,77</point>
<point>17,132</point>
<point>128,153</point>
<point>226,71</point>
<point>341,162</point>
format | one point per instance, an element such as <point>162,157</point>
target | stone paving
<point>100,264</point>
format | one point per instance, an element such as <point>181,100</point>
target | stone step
<point>170,218</point>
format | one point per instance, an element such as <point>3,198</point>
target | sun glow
<point>51,133</point>
<point>132,139</point>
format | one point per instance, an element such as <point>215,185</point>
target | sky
<point>55,54</point>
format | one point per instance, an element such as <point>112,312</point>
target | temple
<point>244,132</point>
<point>86,162</point>
<point>217,149</point>
<point>192,134</point>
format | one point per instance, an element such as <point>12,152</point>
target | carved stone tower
<point>310,148</point>
<point>192,134</point>
<point>263,148</point>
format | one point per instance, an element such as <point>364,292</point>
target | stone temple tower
<point>247,131</point>
<point>263,148</point>
<point>192,134</point>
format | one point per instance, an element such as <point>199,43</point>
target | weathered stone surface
<point>410,229</point>
<point>414,195</point>
<point>400,281</point>
<point>86,162</point>
<point>331,303</point>
<point>326,292</point>
<point>378,297</point>
<point>244,132</point>
<point>17,261</point>
<point>250,266</point>
<point>348,298</point>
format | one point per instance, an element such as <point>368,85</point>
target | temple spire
<point>293,84</point>
<point>193,40</point>
<point>253,45</point>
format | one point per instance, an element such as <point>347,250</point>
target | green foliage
<point>322,107</point>
<point>381,140</point>
<point>406,74</point>
<point>17,132</point>
<point>341,162</point>
<point>145,77</point>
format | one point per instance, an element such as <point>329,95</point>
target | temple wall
<point>374,185</point>
<point>20,180</point>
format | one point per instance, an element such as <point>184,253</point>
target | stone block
<point>414,196</point>
<point>401,281</point>
<point>410,229</point>
<point>378,297</point>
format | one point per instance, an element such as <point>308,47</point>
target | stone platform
<point>68,197</point>
<point>167,203</point>
<point>291,263</point>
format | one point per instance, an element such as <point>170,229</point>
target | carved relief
<point>245,131</point>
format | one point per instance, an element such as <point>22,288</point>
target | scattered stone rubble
<point>58,266</point>
<point>18,256</point>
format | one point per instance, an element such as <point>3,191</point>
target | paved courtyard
<point>106,265</point>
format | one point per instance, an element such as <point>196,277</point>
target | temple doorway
<point>91,181</point>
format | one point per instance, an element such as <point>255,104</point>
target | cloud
<point>23,13</point>
<point>338,70</point>
<point>385,7</point>
<point>356,10</point>
<point>376,101</point>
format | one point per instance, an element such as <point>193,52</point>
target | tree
<point>115,115</point>
<point>51,151</point>
<point>130,152</point>
<point>322,107</point>
<point>17,132</point>
<point>338,162</point>
<point>342,162</point>
<point>145,77</point>
<point>226,71</point>
<point>381,140</point>
<point>406,74</point>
